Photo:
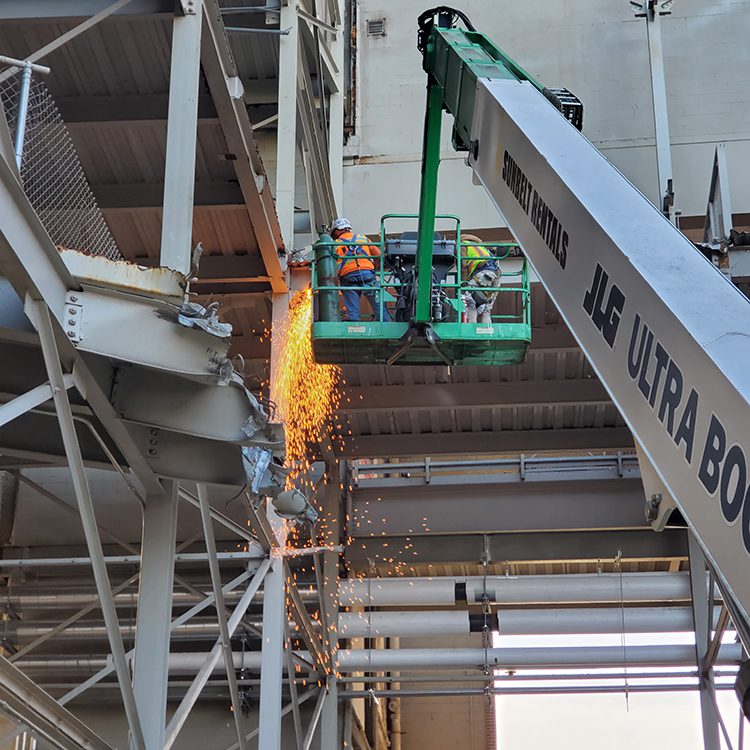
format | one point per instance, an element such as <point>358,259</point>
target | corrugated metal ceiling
<point>126,57</point>
<point>551,366</point>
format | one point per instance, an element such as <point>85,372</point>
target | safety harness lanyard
<point>350,251</point>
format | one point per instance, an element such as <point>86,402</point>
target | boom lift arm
<point>667,334</point>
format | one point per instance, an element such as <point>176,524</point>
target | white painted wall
<point>598,51</point>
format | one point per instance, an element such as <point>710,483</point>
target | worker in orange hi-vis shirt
<point>356,267</point>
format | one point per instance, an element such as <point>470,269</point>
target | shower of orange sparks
<point>307,394</point>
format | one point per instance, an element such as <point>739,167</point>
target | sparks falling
<point>307,394</point>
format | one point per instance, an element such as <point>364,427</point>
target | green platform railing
<point>387,286</point>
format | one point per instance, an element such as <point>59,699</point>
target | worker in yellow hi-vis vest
<point>480,271</point>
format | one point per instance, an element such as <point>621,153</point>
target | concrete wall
<point>598,51</point>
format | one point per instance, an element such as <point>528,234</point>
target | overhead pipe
<point>677,687</point>
<point>48,600</point>
<point>518,622</point>
<point>440,623</point>
<point>440,592</point>
<point>518,590</point>
<point>385,660</point>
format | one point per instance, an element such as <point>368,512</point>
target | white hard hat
<point>340,223</point>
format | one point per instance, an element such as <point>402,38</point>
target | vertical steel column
<point>274,589</point>
<point>43,324</point>
<point>336,112</point>
<point>286,149</point>
<point>182,133</point>
<point>153,624</point>
<point>293,694</point>
<point>225,638</point>
<point>659,98</point>
<point>428,200</point>
<point>329,600</point>
<point>272,656</point>
<point>702,616</point>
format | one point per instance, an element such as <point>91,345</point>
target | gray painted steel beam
<point>219,69</point>
<point>104,671</point>
<point>27,703</point>
<point>60,41</point>
<point>327,580</point>
<point>532,506</point>
<point>27,401</point>
<point>150,196</point>
<point>32,438</point>
<point>223,269</point>
<point>272,657</point>
<point>703,622</point>
<point>505,441</point>
<point>493,471</point>
<point>182,137</point>
<point>29,260</point>
<point>43,323</point>
<point>551,337</point>
<point>174,455</point>
<point>210,661</point>
<point>53,11</point>
<point>148,334</point>
<point>224,636</point>
<point>152,636</point>
<point>94,110</point>
<point>170,455</point>
<point>530,547</point>
<point>215,412</point>
<point>286,129</point>
<point>474,395</point>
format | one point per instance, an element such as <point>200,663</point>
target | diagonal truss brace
<point>43,324</point>
<point>224,635</point>
<point>28,703</point>
<point>212,658</point>
<point>29,400</point>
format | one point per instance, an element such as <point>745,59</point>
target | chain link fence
<point>52,176</point>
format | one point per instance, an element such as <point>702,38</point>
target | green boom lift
<point>419,278</point>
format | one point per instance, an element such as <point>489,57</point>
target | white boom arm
<point>667,334</point>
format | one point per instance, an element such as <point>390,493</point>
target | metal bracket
<point>73,315</point>
<point>652,507</point>
<point>647,8</point>
<point>188,7</point>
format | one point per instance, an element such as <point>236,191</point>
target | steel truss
<point>158,446</point>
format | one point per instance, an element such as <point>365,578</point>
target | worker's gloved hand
<point>486,278</point>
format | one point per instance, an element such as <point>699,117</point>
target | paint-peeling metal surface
<point>125,275</point>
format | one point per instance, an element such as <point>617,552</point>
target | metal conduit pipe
<point>48,600</point>
<point>571,589</point>
<point>383,660</point>
<point>442,623</point>
<point>556,690</point>
<point>436,592</point>
<point>518,622</point>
